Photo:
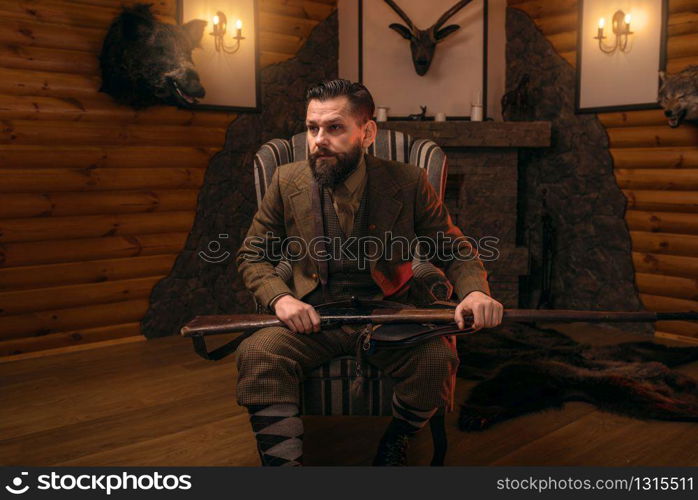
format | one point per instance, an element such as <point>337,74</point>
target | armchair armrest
<point>430,282</point>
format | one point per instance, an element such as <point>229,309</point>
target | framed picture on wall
<point>454,73</point>
<point>621,47</point>
<point>227,60</point>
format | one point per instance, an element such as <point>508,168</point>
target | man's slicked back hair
<point>359,97</point>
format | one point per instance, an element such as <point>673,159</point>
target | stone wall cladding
<point>592,264</point>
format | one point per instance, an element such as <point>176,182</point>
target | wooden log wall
<point>96,199</point>
<point>655,166</point>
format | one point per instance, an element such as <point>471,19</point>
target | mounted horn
<point>450,13</point>
<point>401,13</point>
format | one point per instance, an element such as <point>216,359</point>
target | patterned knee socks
<point>278,429</point>
<point>407,419</point>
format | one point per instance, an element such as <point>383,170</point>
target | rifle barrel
<point>218,324</point>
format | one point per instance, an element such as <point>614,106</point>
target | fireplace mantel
<point>461,134</point>
<point>483,188</point>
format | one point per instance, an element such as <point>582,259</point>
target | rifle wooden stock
<point>218,324</point>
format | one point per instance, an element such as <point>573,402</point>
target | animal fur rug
<point>524,370</point>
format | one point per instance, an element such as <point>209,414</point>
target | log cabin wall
<point>96,199</point>
<point>655,166</point>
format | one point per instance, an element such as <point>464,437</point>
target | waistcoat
<point>346,277</point>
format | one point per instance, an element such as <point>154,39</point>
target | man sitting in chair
<point>341,193</point>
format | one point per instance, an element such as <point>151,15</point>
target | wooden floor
<point>156,403</point>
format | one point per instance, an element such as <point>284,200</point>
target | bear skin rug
<point>524,370</point>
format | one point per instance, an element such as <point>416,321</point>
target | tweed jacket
<point>402,204</point>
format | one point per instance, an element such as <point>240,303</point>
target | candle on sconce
<point>220,29</point>
<point>619,35</point>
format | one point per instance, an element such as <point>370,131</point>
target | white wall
<point>622,78</point>
<point>348,12</point>
<point>349,50</point>
<point>496,61</point>
<point>229,79</point>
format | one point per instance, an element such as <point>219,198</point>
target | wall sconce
<point>220,27</point>
<point>621,29</point>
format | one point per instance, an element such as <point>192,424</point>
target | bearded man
<point>341,194</point>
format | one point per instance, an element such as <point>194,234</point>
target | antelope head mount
<point>423,42</point>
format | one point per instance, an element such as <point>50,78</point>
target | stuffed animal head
<point>678,95</point>
<point>146,62</point>
<point>423,42</point>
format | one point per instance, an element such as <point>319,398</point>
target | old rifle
<point>440,320</point>
<point>218,324</point>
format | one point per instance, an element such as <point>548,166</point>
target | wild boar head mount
<point>146,62</point>
<point>423,42</point>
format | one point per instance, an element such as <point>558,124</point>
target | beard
<point>334,167</point>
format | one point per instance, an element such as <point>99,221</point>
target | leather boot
<point>392,449</point>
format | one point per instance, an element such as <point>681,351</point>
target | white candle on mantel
<point>476,108</point>
<point>477,101</point>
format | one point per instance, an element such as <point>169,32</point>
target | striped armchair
<point>326,390</point>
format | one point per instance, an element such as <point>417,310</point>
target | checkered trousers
<point>273,361</point>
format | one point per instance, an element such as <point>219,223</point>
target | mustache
<point>323,152</point>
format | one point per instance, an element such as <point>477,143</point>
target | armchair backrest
<point>389,145</point>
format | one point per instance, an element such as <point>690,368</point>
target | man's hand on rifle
<point>298,316</point>
<point>487,312</point>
